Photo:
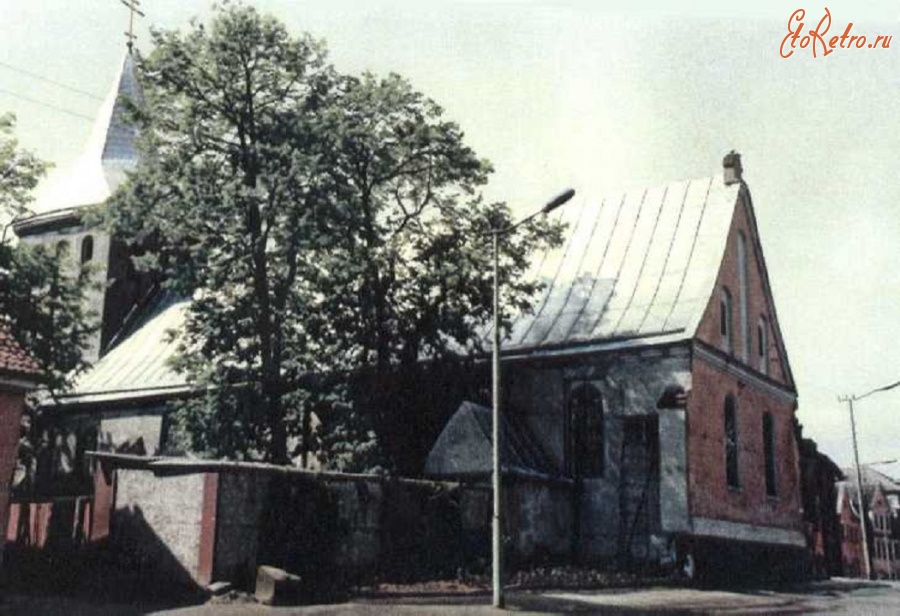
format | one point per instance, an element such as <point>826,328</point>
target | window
<point>762,344</point>
<point>62,249</point>
<point>769,453</point>
<point>731,443</point>
<point>586,438</point>
<point>725,320</point>
<point>742,297</point>
<point>87,249</point>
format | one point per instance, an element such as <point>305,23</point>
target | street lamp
<point>496,233</point>
<point>867,556</point>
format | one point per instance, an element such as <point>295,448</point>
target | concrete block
<point>276,586</point>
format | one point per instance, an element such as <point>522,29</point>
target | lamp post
<point>496,538</point>
<point>867,556</point>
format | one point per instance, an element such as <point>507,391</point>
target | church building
<point>651,377</point>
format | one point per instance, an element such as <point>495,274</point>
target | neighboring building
<point>654,375</point>
<point>818,477</point>
<point>882,497</point>
<point>55,505</point>
<point>19,373</point>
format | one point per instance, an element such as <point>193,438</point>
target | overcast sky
<point>560,94</point>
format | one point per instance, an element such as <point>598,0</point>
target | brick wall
<point>710,495</point>
<point>10,417</point>
<point>758,304</point>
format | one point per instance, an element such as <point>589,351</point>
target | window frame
<point>770,464</point>
<point>585,453</point>
<point>762,344</point>
<point>731,443</point>
<point>86,251</point>
<point>726,320</point>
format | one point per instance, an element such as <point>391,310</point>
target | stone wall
<point>622,512</point>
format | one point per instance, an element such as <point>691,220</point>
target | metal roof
<point>636,266</point>
<point>139,366</point>
<point>107,155</point>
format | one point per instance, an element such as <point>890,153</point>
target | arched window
<point>725,320</point>
<point>586,437</point>
<point>762,344</point>
<point>732,476</point>
<point>742,296</point>
<point>87,249</point>
<point>769,453</point>
<point>62,249</point>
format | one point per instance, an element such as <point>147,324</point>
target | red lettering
<point>846,34</point>
<point>817,39</point>
<point>819,33</point>
<point>792,33</point>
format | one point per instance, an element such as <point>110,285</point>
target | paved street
<point>839,596</point>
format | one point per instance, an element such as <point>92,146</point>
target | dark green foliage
<point>41,291</point>
<point>325,225</point>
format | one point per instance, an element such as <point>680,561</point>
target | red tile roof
<point>13,358</point>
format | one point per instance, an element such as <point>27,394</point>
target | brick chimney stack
<point>732,168</point>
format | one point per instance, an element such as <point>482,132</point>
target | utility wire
<point>48,105</point>
<point>51,81</point>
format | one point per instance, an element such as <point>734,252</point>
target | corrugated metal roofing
<point>108,153</point>
<point>636,265</point>
<point>139,365</point>
<point>637,268</point>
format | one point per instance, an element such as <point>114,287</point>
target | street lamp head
<point>558,200</point>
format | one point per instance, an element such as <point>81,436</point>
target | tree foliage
<point>41,295</point>
<point>327,226</point>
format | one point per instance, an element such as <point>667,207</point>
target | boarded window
<point>586,432</point>
<point>731,443</point>
<point>769,453</point>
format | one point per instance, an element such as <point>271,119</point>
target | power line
<point>48,105</point>
<point>51,81</point>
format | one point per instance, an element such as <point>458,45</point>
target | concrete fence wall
<point>196,522</point>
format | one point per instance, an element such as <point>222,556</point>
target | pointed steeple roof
<point>109,152</point>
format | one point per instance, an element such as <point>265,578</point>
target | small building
<point>19,373</point>
<point>882,497</point>
<point>819,476</point>
<point>654,376</point>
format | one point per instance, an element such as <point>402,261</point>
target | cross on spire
<point>133,8</point>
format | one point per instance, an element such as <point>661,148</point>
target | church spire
<point>129,34</point>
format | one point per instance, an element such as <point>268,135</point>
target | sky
<point>560,94</point>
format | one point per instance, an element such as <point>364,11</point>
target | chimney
<point>732,167</point>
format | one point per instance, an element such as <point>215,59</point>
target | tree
<point>325,226</point>
<point>41,296</point>
<point>416,279</point>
